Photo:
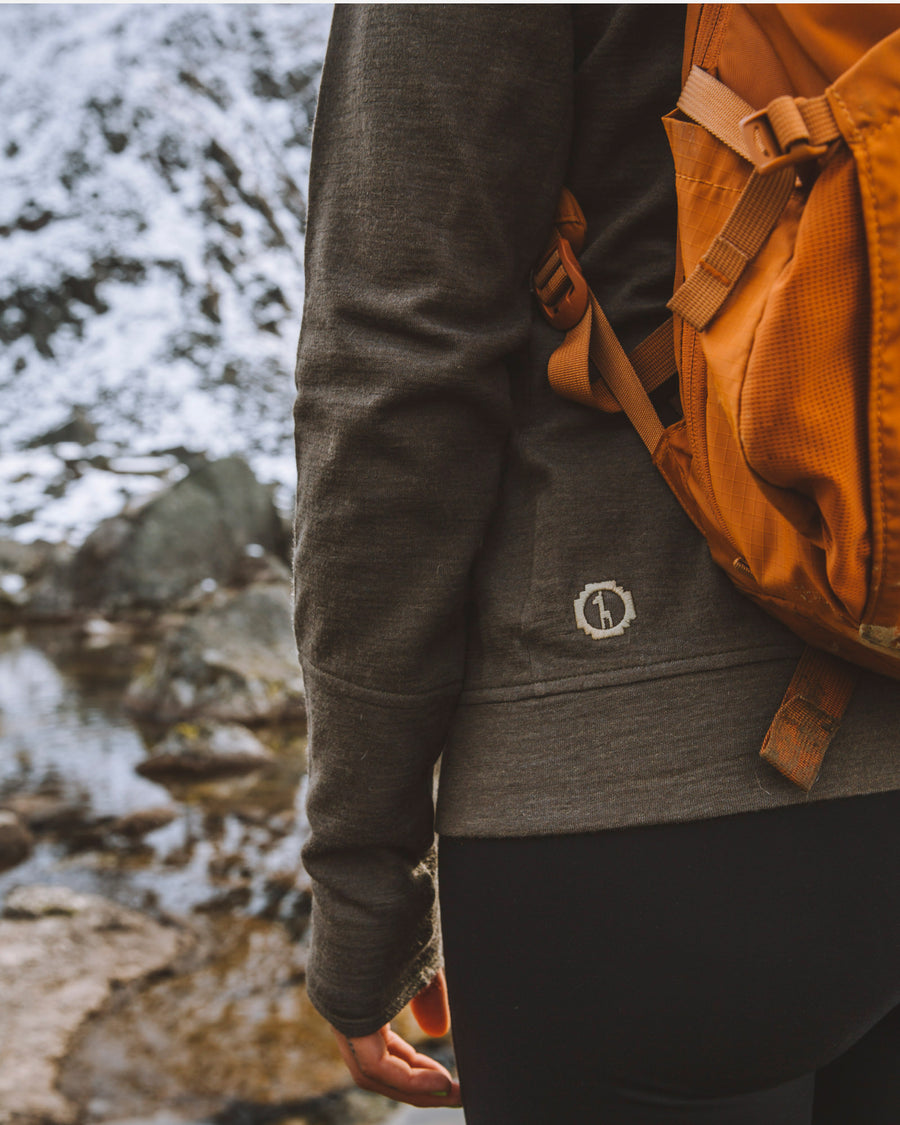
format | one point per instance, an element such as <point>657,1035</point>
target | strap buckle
<point>764,147</point>
<point>559,285</point>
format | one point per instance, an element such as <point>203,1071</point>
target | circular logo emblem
<point>603,609</point>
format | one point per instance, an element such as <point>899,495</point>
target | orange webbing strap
<point>775,139</point>
<point>717,108</point>
<point>809,716</point>
<point>705,29</point>
<point>787,131</point>
<point>654,358</point>
<point>653,361</point>
<point>755,214</point>
<point>569,372</point>
<point>569,305</point>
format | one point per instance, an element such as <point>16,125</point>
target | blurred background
<point>153,912</point>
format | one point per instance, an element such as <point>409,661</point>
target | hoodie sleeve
<point>439,150</point>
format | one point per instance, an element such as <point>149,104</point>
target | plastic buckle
<point>568,309</point>
<point>765,151</point>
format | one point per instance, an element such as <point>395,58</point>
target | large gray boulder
<point>195,531</point>
<point>235,661</point>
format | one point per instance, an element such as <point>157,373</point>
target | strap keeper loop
<point>778,135</point>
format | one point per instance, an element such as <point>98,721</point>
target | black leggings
<point>737,971</point>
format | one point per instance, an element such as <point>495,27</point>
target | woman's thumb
<point>430,1007</point>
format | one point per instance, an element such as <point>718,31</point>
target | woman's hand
<point>386,1064</point>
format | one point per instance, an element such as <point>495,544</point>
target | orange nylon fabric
<point>786,441</point>
<point>788,458</point>
<point>568,304</point>
<point>865,103</point>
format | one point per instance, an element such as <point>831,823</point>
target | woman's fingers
<point>386,1064</point>
<point>403,1050</point>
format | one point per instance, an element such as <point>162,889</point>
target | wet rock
<point>60,955</point>
<point>16,842</point>
<point>232,899</point>
<point>192,751</point>
<point>79,428</point>
<point>22,559</point>
<point>234,661</point>
<point>49,813</point>
<point>89,837</point>
<point>50,592</point>
<point>137,825</point>
<point>258,565</point>
<point>34,581</point>
<point>100,634</point>
<point>227,866</point>
<point>231,1024</point>
<point>295,913</point>
<point>195,530</point>
<point>279,884</point>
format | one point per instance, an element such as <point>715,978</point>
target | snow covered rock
<point>152,212</point>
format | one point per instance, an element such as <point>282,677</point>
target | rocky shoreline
<point>154,911</point>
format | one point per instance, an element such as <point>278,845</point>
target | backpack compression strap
<point>569,305</point>
<point>775,139</point>
<point>593,336</point>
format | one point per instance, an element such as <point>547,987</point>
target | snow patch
<point>152,210</point>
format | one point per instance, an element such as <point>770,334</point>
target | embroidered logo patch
<point>603,609</point>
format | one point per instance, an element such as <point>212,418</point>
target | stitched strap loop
<point>809,716</point>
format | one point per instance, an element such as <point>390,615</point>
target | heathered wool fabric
<point>452,510</point>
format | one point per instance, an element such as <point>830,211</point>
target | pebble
<point>16,842</point>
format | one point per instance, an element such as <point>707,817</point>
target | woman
<point>642,921</point>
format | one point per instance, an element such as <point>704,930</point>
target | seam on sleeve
<point>380,697</point>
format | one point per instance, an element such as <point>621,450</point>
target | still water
<point>225,863</point>
<point>68,750</point>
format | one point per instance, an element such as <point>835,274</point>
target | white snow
<point>153,163</point>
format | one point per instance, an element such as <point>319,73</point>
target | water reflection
<point>68,752</point>
<point>55,732</point>
<point>233,1022</point>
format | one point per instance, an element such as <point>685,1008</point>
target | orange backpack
<point>786,335</point>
